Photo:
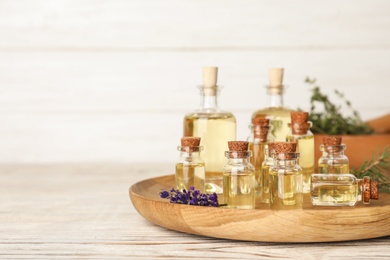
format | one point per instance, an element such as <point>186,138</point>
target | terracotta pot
<point>359,147</point>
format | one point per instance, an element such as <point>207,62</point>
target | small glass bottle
<point>239,177</point>
<point>190,170</point>
<point>342,189</point>
<point>276,111</point>
<point>214,126</point>
<point>301,134</point>
<point>267,163</point>
<point>285,178</point>
<point>333,159</point>
<point>258,140</point>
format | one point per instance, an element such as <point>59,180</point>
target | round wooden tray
<point>312,224</point>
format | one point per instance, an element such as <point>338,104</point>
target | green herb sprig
<point>331,121</point>
<point>376,169</point>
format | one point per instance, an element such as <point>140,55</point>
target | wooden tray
<point>312,224</point>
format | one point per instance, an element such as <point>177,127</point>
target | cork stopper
<point>190,144</point>
<point>257,117</point>
<point>238,146</point>
<point>190,141</point>
<point>210,77</point>
<point>370,190</point>
<point>299,117</point>
<point>260,128</point>
<point>332,140</point>
<point>238,149</point>
<point>276,77</point>
<point>285,150</point>
<point>299,124</point>
<point>374,193</point>
<point>285,147</point>
<point>271,149</point>
<point>260,121</point>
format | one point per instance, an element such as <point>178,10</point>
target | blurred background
<point>110,81</point>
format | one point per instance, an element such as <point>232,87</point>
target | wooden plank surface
<point>83,211</point>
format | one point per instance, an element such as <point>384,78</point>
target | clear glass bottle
<point>258,139</point>
<point>214,126</point>
<point>190,168</point>
<point>239,177</point>
<point>301,134</point>
<point>285,178</point>
<point>277,112</point>
<point>333,159</point>
<point>267,163</point>
<point>342,189</point>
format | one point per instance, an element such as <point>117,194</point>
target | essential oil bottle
<point>258,139</point>
<point>285,178</point>
<point>342,189</point>
<point>301,134</point>
<point>214,126</point>
<point>190,168</point>
<point>333,159</point>
<point>267,163</point>
<point>239,181</point>
<point>276,111</point>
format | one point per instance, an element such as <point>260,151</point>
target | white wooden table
<point>84,211</point>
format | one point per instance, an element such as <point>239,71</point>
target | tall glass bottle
<point>342,189</point>
<point>276,111</point>
<point>285,178</point>
<point>267,163</point>
<point>301,134</point>
<point>258,139</point>
<point>333,159</point>
<point>190,166</point>
<point>214,126</point>
<point>239,177</point>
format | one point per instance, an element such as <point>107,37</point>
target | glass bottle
<point>285,178</point>
<point>258,139</point>
<point>239,177</point>
<point>267,163</point>
<point>342,189</point>
<point>301,134</point>
<point>190,170</point>
<point>333,159</point>
<point>214,126</point>
<point>279,115</point>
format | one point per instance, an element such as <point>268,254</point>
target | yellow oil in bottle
<point>334,168</point>
<point>239,190</point>
<point>264,190</point>
<point>257,161</point>
<point>215,131</point>
<point>280,118</point>
<point>188,175</point>
<point>285,189</point>
<point>305,147</point>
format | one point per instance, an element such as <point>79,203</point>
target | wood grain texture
<point>83,212</point>
<point>312,224</point>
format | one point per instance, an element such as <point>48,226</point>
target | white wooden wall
<point>110,81</point>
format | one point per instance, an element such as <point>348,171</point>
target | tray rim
<point>156,204</point>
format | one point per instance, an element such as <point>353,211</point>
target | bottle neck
<point>190,154</point>
<point>238,160</point>
<point>276,100</point>
<point>333,151</point>
<point>209,102</point>
<point>286,162</point>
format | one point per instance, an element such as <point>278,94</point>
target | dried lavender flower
<point>191,197</point>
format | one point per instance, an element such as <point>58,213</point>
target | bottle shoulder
<point>274,111</point>
<point>210,114</point>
